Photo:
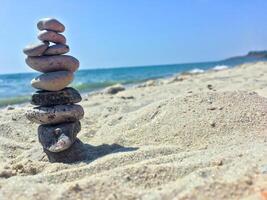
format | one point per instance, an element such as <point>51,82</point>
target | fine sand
<point>201,136</point>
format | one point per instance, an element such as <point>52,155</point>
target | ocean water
<point>16,88</point>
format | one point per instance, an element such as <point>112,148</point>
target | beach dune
<point>194,136</point>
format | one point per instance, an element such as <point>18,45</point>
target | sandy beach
<point>192,136</point>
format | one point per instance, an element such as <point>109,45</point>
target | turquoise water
<point>16,88</point>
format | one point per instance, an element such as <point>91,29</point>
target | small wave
<point>196,71</point>
<point>88,87</point>
<point>14,100</point>
<point>85,87</point>
<point>220,67</point>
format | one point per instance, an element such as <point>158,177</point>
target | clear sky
<point>113,33</point>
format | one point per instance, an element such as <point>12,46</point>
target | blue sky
<point>112,33</point>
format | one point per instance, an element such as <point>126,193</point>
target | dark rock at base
<point>57,138</point>
<point>51,98</point>
<point>77,152</point>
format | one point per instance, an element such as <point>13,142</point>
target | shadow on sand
<point>81,152</point>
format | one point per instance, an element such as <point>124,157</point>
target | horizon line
<point>129,66</point>
<point>119,67</point>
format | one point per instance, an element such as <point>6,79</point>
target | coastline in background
<point>16,88</point>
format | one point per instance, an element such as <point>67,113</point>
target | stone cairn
<point>56,110</point>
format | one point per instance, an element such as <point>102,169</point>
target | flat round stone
<point>57,49</point>
<point>36,49</point>
<point>55,114</point>
<point>52,81</point>
<point>77,152</point>
<point>56,138</point>
<point>48,98</point>
<point>53,63</point>
<point>52,36</point>
<point>50,24</point>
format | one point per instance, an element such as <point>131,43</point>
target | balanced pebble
<point>36,49</point>
<point>52,36</point>
<point>56,138</point>
<point>53,63</point>
<point>57,49</point>
<point>50,24</point>
<point>55,114</point>
<point>48,98</point>
<point>52,81</point>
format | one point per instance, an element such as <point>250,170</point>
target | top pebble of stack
<point>51,25</point>
<point>58,69</point>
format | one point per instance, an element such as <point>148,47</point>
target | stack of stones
<point>56,110</point>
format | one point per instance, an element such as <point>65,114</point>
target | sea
<point>16,88</point>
